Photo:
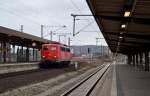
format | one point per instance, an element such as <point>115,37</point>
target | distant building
<point>90,49</point>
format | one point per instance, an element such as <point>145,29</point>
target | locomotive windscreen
<point>45,48</point>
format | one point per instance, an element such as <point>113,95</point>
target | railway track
<point>86,86</point>
<point>17,79</point>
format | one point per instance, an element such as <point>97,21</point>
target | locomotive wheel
<point>45,64</point>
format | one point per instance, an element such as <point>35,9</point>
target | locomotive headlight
<point>43,56</point>
<point>55,56</point>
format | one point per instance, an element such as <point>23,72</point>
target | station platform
<point>132,81</point>
<point>16,67</point>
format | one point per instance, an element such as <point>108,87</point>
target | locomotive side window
<point>67,49</point>
<point>62,48</point>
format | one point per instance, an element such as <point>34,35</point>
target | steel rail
<point>86,79</point>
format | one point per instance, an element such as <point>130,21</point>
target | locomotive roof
<point>57,43</point>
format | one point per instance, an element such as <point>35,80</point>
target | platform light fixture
<point>120,37</point>
<point>127,13</point>
<point>123,26</point>
<point>33,44</point>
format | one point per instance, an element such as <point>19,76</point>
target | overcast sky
<point>53,14</point>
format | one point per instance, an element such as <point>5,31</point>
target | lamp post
<point>21,28</point>
<point>52,32</point>
<point>60,38</point>
<point>74,19</point>
<point>42,26</point>
<point>34,44</point>
<point>69,41</point>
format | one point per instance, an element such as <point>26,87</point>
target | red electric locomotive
<point>55,54</point>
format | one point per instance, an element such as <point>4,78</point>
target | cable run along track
<point>86,86</point>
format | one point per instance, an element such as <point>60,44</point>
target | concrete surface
<point>131,81</point>
<point>16,67</point>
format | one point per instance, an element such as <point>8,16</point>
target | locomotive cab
<point>49,52</point>
<point>55,54</point>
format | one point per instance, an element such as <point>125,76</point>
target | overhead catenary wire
<point>85,27</point>
<point>15,12</point>
<point>12,11</point>
<point>98,32</point>
<point>19,15</point>
<point>75,6</point>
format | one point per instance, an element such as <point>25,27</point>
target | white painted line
<point>18,64</point>
<point>114,81</point>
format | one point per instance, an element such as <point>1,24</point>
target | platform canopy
<point>20,38</point>
<point>125,24</point>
